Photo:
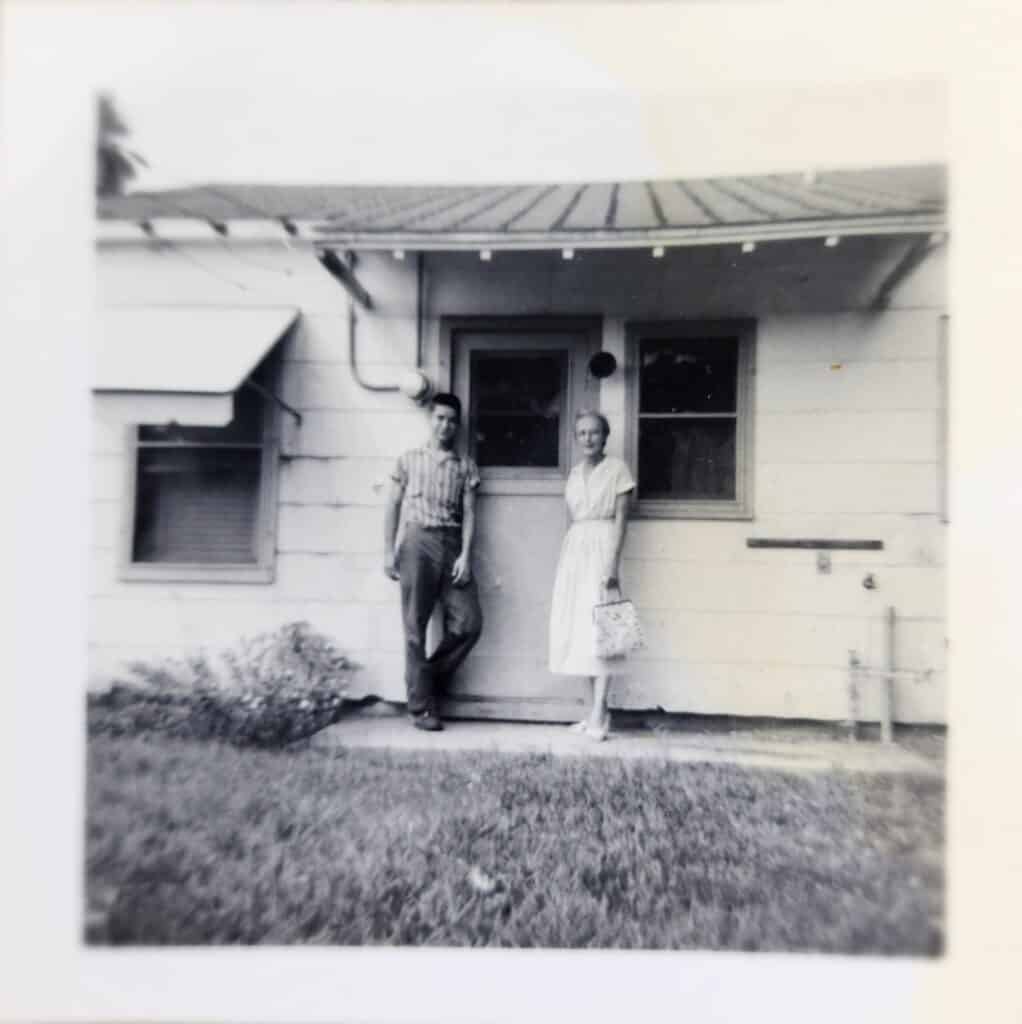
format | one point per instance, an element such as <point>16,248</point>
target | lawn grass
<point>193,843</point>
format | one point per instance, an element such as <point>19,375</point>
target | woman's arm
<point>620,529</point>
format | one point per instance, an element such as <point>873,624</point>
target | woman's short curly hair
<point>593,414</point>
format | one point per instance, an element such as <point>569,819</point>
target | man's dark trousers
<point>425,561</point>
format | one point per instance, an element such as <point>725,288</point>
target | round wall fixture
<point>602,365</point>
<point>415,386</point>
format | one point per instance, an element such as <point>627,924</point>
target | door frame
<point>564,706</point>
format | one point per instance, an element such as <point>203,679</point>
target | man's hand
<point>461,574</point>
<point>390,569</point>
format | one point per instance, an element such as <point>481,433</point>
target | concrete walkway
<point>379,732</point>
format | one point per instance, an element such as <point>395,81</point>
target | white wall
<point>329,528</point>
<point>846,445</point>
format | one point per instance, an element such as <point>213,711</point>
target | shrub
<point>272,690</point>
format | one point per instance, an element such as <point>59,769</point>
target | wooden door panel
<point>521,521</point>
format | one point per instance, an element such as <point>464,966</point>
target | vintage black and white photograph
<point>482,559</point>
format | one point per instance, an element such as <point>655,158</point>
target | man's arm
<point>462,572</point>
<point>391,515</point>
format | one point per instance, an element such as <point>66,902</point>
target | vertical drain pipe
<point>852,724</point>
<point>353,357</point>
<point>887,684</point>
<point>413,384</point>
<point>420,275</point>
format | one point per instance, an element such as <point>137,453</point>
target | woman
<point>597,497</point>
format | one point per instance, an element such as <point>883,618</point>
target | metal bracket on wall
<point>814,544</point>
<point>343,271</point>
<point>911,258</point>
<point>271,397</point>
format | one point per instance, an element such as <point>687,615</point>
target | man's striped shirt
<point>434,483</point>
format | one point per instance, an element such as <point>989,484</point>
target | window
<point>516,404</point>
<point>520,379</point>
<point>202,503</point>
<point>690,421</point>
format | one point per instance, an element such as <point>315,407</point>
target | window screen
<point>517,403</point>
<point>197,494</point>
<point>688,418</point>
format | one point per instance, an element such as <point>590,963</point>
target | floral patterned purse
<point>617,627</point>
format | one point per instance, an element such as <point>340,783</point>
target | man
<point>434,491</point>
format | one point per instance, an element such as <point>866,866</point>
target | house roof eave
<point>309,235</point>
<point>909,224</point>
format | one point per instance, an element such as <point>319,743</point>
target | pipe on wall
<point>420,302</point>
<point>353,357</point>
<point>419,331</point>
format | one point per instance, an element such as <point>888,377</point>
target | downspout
<point>420,303</point>
<point>353,358</point>
<point>419,387</point>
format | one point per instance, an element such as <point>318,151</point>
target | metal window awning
<point>181,364</point>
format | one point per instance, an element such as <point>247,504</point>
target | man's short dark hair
<point>451,401</point>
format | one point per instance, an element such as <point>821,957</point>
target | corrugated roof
<point>908,198</point>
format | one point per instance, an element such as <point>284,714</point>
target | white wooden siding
<point>850,386</point>
<point>769,690</point>
<point>847,488</point>
<point>666,585</point>
<point>335,480</point>
<point>838,437</point>
<point>846,445</point>
<point>908,541</point>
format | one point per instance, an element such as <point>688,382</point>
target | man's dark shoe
<point>427,722</point>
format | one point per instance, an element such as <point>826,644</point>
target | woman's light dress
<point>585,555</point>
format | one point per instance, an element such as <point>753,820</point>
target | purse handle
<point>605,589</point>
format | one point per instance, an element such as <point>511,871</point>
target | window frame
<point>579,388</point>
<point>263,570</point>
<point>741,507</point>
<point>510,351</point>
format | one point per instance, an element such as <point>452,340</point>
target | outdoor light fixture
<point>748,246</point>
<point>658,252</point>
<point>568,254</point>
<point>485,255</point>
<point>831,240</point>
<point>415,385</point>
<point>602,365</point>
<point>399,254</point>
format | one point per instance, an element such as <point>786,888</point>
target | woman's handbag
<point>618,631</point>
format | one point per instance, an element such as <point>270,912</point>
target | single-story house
<point>778,387</point>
